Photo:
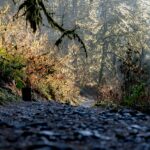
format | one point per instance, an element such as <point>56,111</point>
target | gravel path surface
<point>53,126</point>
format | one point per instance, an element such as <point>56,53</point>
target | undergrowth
<point>6,96</point>
<point>55,76</point>
<point>27,55</point>
<point>11,68</point>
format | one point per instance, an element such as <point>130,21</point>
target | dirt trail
<point>53,126</point>
<point>87,102</point>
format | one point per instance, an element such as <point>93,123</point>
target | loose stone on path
<point>53,126</point>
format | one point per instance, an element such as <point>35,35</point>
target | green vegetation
<point>11,67</point>
<point>114,34</point>
<point>11,75</point>
<point>6,96</point>
<point>136,95</point>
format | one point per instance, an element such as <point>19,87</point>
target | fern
<point>11,68</point>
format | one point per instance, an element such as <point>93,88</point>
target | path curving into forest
<point>87,102</point>
<point>53,126</point>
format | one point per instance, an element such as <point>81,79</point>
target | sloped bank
<point>7,96</point>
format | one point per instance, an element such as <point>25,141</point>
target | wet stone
<point>143,146</point>
<point>145,135</point>
<point>49,125</point>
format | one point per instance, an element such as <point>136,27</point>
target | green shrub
<point>6,95</point>
<point>136,93</point>
<point>11,68</point>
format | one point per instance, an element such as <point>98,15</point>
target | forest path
<point>87,102</point>
<point>54,126</point>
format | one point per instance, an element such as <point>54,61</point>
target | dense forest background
<point>116,69</point>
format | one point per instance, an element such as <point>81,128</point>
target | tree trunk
<point>26,91</point>
<point>26,94</point>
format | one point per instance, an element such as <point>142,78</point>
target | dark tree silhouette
<point>33,9</point>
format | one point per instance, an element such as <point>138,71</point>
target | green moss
<point>11,68</point>
<point>6,96</point>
